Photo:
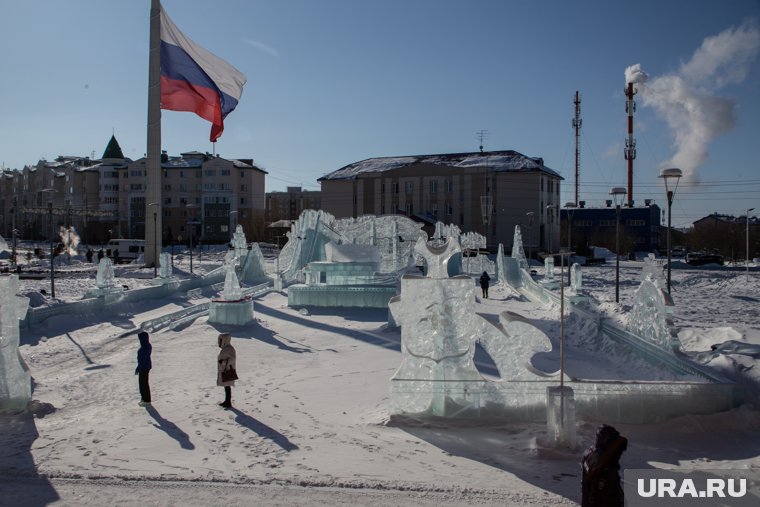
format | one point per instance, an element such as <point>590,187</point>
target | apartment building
<point>289,204</point>
<point>485,192</point>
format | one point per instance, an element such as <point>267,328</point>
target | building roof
<point>499,161</point>
<point>728,219</point>
<point>113,150</point>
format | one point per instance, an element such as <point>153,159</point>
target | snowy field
<point>310,423</point>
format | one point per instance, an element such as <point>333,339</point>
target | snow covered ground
<point>310,423</point>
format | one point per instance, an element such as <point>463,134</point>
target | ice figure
<point>253,269</point>
<point>239,242</point>
<point>472,241</point>
<point>104,278</point>
<point>549,269</point>
<point>437,257</point>
<point>501,272</point>
<point>232,290</point>
<point>15,379</point>
<point>165,265</point>
<point>653,271</point>
<point>233,308</point>
<point>518,252</point>
<point>576,279</point>
<point>651,317</point>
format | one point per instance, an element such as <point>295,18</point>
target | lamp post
<point>155,240</point>
<point>747,257</point>
<point>669,175</point>
<point>617,193</point>
<point>52,252</point>
<point>549,212</point>
<point>530,216</point>
<point>570,207</point>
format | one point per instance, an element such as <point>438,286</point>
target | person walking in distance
<point>484,279</point>
<point>143,368</point>
<point>226,368</point>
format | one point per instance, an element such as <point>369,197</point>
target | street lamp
<point>617,193</point>
<point>191,223</point>
<point>530,216</point>
<point>668,175</point>
<point>52,252</point>
<point>155,241</point>
<point>747,258</point>
<point>549,212</point>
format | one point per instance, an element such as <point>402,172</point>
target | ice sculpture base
<point>612,402</point>
<point>340,296</point>
<point>549,284</point>
<point>560,416</point>
<point>169,280</point>
<point>110,293</point>
<point>577,299</point>
<point>235,313</point>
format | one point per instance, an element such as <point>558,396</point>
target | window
<point>409,187</point>
<point>607,223</point>
<point>449,209</point>
<point>635,223</point>
<point>448,186</point>
<point>209,172</point>
<point>409,208</point>
<point>382,188</point>
<point>225,228</point>
<point>434,186</point>
<point>394,188</point>
<point>582,223</point>
<point>242,200</point>
<point>224,172</point>
<point>243,188</point>
<point>167,200</point>
<point>168,187</point>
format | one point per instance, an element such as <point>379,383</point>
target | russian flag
<point>195,80</point>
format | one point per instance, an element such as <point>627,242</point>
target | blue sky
<point>331,82</point>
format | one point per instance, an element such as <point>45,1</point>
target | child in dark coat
<point>143,368</point>
<point>484,279</point>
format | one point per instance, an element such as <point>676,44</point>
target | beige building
<point>202,195</point>
<point>105,198</point>
<point>485,192</point>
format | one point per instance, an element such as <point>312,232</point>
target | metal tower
<point>577,126</point>
<point>630,143</point>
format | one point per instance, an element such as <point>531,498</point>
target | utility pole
<point>577,126</point>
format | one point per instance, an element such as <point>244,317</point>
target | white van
<point>129,249</point>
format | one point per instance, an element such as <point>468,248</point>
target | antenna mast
<point>630,143</point>
<point>482,135</point>
<point>577,126</point>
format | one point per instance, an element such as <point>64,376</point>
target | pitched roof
<point>113,150</point>
<point>499,161</point>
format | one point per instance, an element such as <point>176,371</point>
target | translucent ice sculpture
<point>437,257</point>
<point>239,242</point>
<point>15,379</point>
<point>518,252</point>
<point>576,279</point>
<point>651,317</point>
<point>501,272</point>
<point>104,278</point>
<point>165,265</point>
<point>253,269</point>
<point>232,290</point>
<point>549,268</point>
<point>560,416</point>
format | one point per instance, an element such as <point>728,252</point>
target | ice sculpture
<point>651,317</point>
<point>472,241</point>
<point>239,242</point>
<point>104,278</point>
<point>501,272</point>
<point>576,279</point>
<point>437,257</point>
<point>560,416</point>
<point>253,269</point>
<point>165,265</point>
<point>549,269</point>
<point>232,290</point>
<point>518,252</point>
<point>232,308</point>
<point>15,379</point>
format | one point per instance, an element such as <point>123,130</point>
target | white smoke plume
<point>69,238</point>
<point>688,99</point>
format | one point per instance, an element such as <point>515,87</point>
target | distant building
<point>726,235</point>
<point>639,228</point>
<point>485,192</point>
<point>289,204</point>
<point>105,198</point>
<point>208,193</point>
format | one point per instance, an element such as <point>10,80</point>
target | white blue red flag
<point>195,80</point>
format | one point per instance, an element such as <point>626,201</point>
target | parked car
<point>700,259</point>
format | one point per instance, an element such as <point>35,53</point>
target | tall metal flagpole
<point>153,162</point>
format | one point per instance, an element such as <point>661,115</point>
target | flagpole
<point>153,218</point>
